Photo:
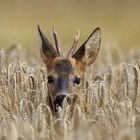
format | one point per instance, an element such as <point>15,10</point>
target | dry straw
<point>108,109</point>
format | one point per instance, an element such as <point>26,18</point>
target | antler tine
<point>56,41</point>
<point>72,50</point>
<point>75,41</point>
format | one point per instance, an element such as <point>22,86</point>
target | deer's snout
<point>59,100</point>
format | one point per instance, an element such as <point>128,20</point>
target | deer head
<point>66,72</point>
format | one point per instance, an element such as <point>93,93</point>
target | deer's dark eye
<point>77,80</point>
<point>50,79</point>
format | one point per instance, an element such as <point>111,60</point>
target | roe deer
<point>66,72</point>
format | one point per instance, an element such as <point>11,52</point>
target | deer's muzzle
<point>59,100</point>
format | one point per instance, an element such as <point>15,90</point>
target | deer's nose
<point>59,100</point>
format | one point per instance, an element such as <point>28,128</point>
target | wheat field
<point>109,108</point>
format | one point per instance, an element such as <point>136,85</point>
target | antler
<point>72,50</point>
<point>56,41</point>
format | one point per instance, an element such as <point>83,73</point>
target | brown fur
<point>65,69</point>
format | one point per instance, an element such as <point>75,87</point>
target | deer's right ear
<point>48,53</point>
<point>88,52</point>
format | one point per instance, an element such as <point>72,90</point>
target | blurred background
<point>119,21</point>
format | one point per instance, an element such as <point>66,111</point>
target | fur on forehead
<point>63,66</point>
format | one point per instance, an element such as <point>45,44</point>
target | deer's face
<point>64,78</point>
<point>66,72</point>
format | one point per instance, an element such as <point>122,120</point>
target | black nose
<point>59,100</point>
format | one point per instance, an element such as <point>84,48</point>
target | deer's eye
<point>50,79</point>
<point>77,80</point>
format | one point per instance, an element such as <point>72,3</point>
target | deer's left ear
<point>89,50</point>
<point>48,52</point>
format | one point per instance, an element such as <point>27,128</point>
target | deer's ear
<point>89,50</point>
<point>48,53</point>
